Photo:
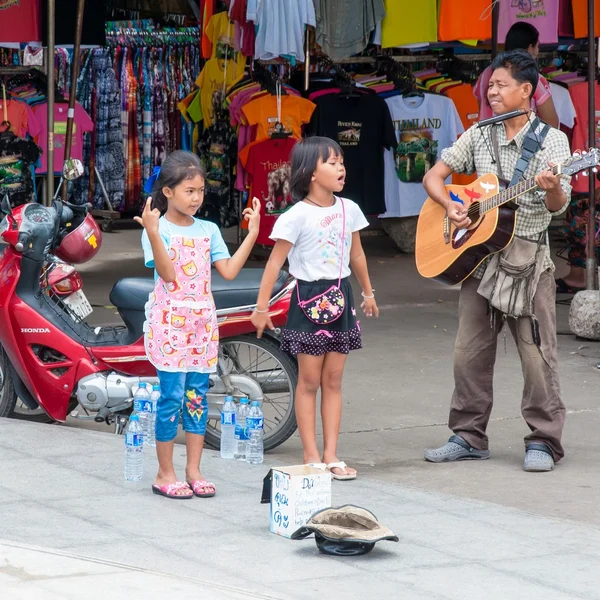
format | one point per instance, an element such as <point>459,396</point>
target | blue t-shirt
<point>199,228</point>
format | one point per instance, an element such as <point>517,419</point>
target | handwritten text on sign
<point>295,499</point>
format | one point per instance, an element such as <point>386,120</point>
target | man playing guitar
<point>514,79</point>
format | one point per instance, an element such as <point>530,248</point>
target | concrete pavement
<point>397,392</point>
<point>62,490</point>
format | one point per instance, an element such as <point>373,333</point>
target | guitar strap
<point>531,144</point>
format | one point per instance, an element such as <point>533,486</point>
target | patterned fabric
<point>576,230</point>
<point>181,331</point>
<point>473,153</point>
<point>218,152</point>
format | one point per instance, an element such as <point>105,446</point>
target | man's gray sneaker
<point>538,458</point>
<point>455,449</point>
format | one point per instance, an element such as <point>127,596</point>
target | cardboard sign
<point>295,494</point>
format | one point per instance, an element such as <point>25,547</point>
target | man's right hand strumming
<point>458,214</point>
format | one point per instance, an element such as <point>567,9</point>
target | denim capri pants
<point>182,395</point>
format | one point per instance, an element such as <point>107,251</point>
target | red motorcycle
<point>52,360</point>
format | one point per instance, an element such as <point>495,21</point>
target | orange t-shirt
<point>295,112</point>
<point>461,20</point>
<point>580,18</point>
<point>207,13</point>
<point>468,110</point>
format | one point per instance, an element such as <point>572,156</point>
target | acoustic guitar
<point>448,254</point>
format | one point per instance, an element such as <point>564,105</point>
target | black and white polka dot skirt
<point>303,336</point>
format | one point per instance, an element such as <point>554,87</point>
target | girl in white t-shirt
<point>320,237</point>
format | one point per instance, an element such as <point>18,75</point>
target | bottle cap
<point>255,403</point>
<point>243,400</point>
<point>142,384</point>
<point>229,399</point>
<point>156,388</point>
<point>134,418</point>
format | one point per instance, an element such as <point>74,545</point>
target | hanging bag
<point>328,306</point>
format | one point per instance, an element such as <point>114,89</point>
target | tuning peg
<point>595,170</point>
<point>585,174</point>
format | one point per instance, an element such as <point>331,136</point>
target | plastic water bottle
<point>150,412</point>
<point>134,450</point>
<point>228,428</point>
<point>255,423</point>
<point>241,434</point>
<point>141,402</point>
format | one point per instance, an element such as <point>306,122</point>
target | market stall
<point>222,79</point>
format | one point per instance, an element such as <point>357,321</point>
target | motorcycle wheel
<point>11,405</point>
<point>8,396</point>
<point>262,358</point>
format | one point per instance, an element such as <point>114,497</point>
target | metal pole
<point>495,20</point>
<point>73,92</point>
<point>50,149</point>
<point>306,59</point>
<point>590,262</point>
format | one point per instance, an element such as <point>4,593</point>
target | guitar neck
<point>510,194</point>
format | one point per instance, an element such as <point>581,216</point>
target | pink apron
<point>181,331</point>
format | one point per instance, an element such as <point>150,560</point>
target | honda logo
<point>35,331</point>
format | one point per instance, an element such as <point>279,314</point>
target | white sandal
<point>340,465</point>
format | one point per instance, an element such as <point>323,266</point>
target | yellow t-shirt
<point>214,81</point>
<point>408,22</point>
<point>221,32</point>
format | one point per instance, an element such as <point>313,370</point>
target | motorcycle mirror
<point>5,206</point>
<point>72,169</point>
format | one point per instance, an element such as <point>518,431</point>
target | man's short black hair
<point>520,36</point>
<point>521,66</point>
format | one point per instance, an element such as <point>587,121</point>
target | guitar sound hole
<point>474,214</point>
<point>462,236</point>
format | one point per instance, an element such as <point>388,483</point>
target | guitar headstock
<point>581,161</point>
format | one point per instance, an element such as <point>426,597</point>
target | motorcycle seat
<point>132,293</point>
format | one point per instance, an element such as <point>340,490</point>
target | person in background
<point>521,36</point>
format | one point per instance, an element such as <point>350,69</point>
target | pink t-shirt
<point>82,124</point>
<point>541,95</point>
<point>542,14</point>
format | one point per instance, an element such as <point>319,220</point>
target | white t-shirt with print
<point>316,235</point>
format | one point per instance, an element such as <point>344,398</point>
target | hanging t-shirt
<point>207,10</point>
<point>280,28</point>
<point>221,31</point>
<point>268,166</point>
<point>424,127</point>
<point>218,152</point>
<point>564,105</point>
<point>82,124</point>
<point>295,112</point>
<point>344,27</point>
<point>214,81</point>
<point>580,18</point>
<point>543,15</point>
<point>21,118</point>
<point>541,95</point>
<point>362,126</point>
<point>579,95</point>
<point>16,157</point>
<point>316,234</point>
<point>409,22</point>
<point>20,21</point>
<point>460,20</point>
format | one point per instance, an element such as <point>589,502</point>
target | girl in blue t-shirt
<point>181,331</point>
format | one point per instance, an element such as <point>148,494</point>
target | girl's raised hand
<point>370,308</point>
<point>150,217</point>
<point>252,215</point>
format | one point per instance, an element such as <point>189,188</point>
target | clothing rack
<point>153,38</point>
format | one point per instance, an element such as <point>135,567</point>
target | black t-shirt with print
<point>363,127</point>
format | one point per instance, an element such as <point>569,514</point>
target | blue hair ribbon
<point>152,180</point>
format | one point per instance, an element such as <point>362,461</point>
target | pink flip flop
<point>170,490</point>
<point>199,487</point>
